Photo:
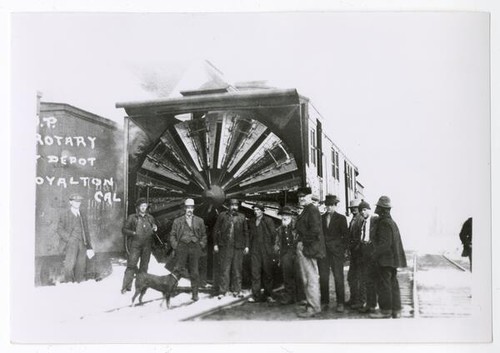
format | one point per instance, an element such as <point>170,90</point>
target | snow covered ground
<point>90,303</point>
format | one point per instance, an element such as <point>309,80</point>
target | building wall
<point>77,152</point>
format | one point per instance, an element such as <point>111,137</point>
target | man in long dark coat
<point>466,239</point>
<point>73,231</point>
<point>310,248</point>
<point>336,236</point>
<point>389,255</point>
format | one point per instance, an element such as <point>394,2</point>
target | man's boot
<point>195,295</point>
<point>382,314</point>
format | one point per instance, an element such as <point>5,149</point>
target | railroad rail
<point>454,263</point>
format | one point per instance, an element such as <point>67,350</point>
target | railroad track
<point>431,286</point>
<point>441,288</point>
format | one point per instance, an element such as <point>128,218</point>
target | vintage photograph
<point>258,177</point>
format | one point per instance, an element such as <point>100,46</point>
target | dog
<point>164,284</point>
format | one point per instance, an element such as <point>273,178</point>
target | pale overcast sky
<point>406,96</point>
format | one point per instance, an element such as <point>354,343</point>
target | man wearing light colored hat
<point>351,274</point>
<point>73,230</point>
<point>389,255</point>
<point>188,238</point>
<point>353,208</point>
<point>231,241</point>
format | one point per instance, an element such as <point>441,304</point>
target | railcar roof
<point>239,99</point>
<point>78,112</point>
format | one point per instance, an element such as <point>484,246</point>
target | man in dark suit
<point>188,238</point>
<point>336,237</point>
<point>310,249</point>
<point>231,240</point>
<point>389,255</point>
<point>262,239</point>
<point>73,230</point>
<point>360,263</point>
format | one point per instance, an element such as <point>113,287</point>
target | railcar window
<point>312,142</point>
<point>335,164</point>
<point>348,175</point>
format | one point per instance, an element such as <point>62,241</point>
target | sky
<point>405,96</point>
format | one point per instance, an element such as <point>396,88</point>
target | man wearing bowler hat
<point>140,227</point>
<point>262,239</point>
<point>388,255</point>
<point>336,237</point>
<point>231,241</point>
<point>73,230</point>
<point>310,248</point>
<point>188,238</point>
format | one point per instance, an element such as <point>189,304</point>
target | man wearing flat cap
<point>73,231</point>
<point>140,228</point>
<point>388,255</point>
<point>310,248</point>
<point>336,238</point>
<point>231,241</point>
<point>262,239</point>
<point>188,238</point>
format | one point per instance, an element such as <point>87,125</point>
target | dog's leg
<point>142,295</point>
<point>167,299</point>
<point>135,295</point>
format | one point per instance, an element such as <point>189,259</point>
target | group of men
<point>375,250</point>
<point>310,246</point>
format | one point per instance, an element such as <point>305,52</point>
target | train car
<point>328,169</point>
<point>77,152</point>
<point>256,145</point>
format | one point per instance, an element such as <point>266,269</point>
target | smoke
<point>159,79</point>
